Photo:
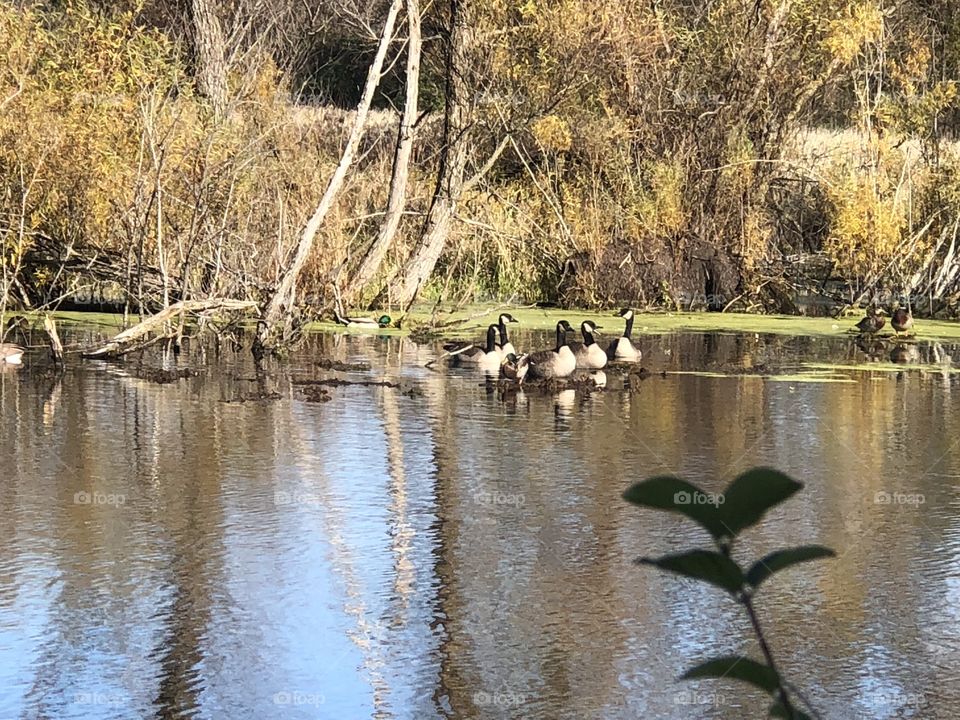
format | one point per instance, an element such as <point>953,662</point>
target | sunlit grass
<point>472,320</point>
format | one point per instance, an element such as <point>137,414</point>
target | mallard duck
<point>487,358</point>
<point>557,363</point>
<point>622,348</point>
<point>515,368</point>
<point>11,354</point>
<point>363,322</point>
<point>901,320</point>
<point>505,347</point>
<point>589,355</point>
<point>873,322</point>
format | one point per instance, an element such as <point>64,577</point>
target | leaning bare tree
<point>401,163</point>
<point>276,323</point>
<point>453,159</point>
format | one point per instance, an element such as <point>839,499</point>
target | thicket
<point>620,152</point>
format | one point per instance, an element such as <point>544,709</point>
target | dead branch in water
<point>56,347</point>
<point>145,333</point>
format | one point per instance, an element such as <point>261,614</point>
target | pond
<point>438,548</point>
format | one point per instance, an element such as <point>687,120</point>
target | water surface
<point>440,549</point>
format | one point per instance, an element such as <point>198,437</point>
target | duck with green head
<point>363,322</point>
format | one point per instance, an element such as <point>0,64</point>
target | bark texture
<point>453,160</point>
<point>401,163</point>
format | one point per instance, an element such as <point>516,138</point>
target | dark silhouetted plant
<point>724,516</point>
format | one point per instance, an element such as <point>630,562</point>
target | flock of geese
<point>499,356</point>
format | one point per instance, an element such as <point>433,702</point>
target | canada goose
<point>10,354</point>
<point>622,348</point>
<point>557,363</point>
<point>505,347</point>
<point>362,322</point>
<point>589,355</point>
<point>515,368</point>
<point>487,359</point>
<point>873,322</point>
<point>901,320</point>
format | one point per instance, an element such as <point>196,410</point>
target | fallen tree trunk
<point>144,334</point>
<point>275,323</point>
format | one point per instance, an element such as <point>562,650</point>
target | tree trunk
<point>453,160</point>
<point>211,51</point>
<point>401,164</point>
<point>269,335</point>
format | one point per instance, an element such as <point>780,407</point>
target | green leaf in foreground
<point>776,561</point>
<point>706,565</point>
<point>750,496</point>
<point>669,493</point>
<point>736,667</point>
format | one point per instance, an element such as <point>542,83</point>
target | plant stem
<point>765,649</point>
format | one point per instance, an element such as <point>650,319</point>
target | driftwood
<point>56,347</point>
<point>158,327</point>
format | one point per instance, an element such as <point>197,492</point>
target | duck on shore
<point>901,321</point>
<point>873,322</point>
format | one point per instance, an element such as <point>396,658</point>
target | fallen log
<point>158,327</point>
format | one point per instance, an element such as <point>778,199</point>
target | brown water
<point>437,550</point>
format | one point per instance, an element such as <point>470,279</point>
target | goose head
<point>588,329</point>
<point>563,327</point>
